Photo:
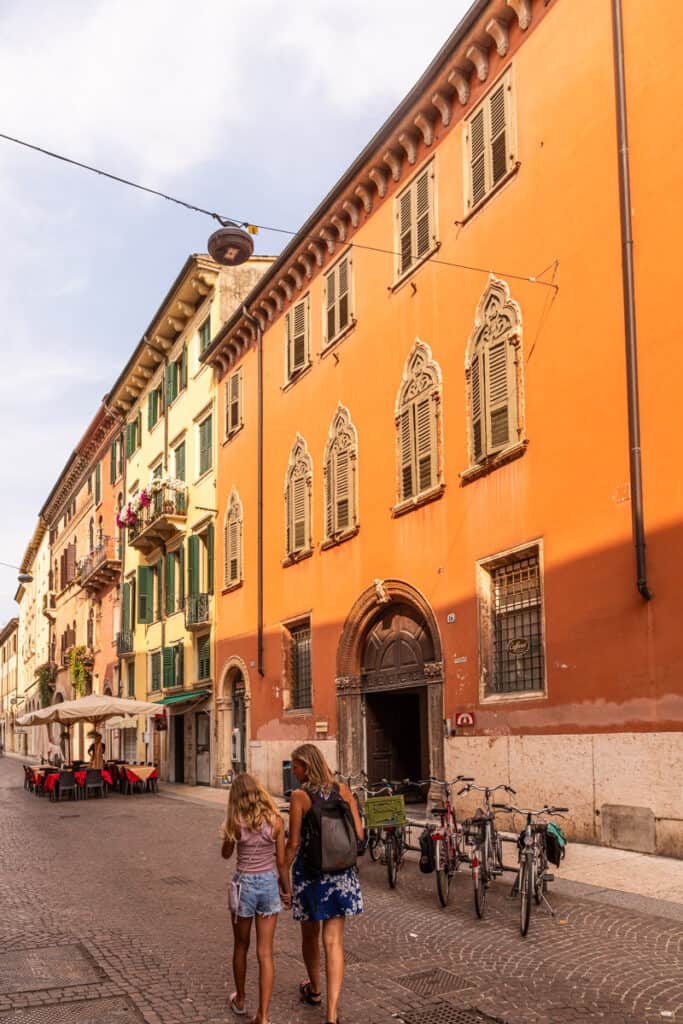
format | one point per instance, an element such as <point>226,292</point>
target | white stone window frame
<point>421,374</point>
<point>234,516</point>
<point>299,469</point>
<point>342,438</point>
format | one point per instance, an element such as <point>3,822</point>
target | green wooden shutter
<point>425,437</point>
<point>125,601</point>
<point>180,461</point>
<point>121,454</point>
<point>172,383</point>
<point>181,577</point>
<point>159,573</point>
<point>209,557</point>
<point>112,462</point>
<point>169,674</point>
<point>193,565</point>
<point>129,439</point>
<point>204,657</point>
<point>145,593</point>
<point>497,414</point>
<point>170,582</point>
<point>180,664</point>
<point>151,409</point>
<point>205,438</point>
<point>98,483</point>
<point>138,430</point>
<point>407,456</point>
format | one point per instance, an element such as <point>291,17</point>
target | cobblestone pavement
<point>113,911</point>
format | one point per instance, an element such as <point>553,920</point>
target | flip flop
<point>235,1008</point>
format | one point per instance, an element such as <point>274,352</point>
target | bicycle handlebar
<point>487,789</point>
<point>528,810</point>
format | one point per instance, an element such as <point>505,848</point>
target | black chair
<point>94,782</point>
<point>67,785</point>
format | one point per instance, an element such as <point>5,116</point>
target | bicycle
<point>487,848</point>
<point>449,848</point>
<point>387,841</point>
<point>533,875</point>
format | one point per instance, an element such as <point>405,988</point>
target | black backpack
<point>332,844</point>
<point>427,853</point>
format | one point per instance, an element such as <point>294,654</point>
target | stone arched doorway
<point>233,719</point>
<point>390,686</point>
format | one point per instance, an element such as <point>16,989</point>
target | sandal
<point>307,995</point>
<point>235,1008</point>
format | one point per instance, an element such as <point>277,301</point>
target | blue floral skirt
<point>320,897</point>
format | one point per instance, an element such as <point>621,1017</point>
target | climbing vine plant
<point>80,666</point>
<point>46,676</point>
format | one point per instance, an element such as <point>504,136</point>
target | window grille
<point>518,659</point>
<point>301,666</point>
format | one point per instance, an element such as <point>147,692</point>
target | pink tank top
<point>256,850</point>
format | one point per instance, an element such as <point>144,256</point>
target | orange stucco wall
<point>614,662</point>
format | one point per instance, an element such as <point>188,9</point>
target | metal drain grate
<point>63,816</point>
<point>91,1011</point>
<point>446,1013</point>
<point>176,880</point>
<point>431,983</point>
<point>30,970</point>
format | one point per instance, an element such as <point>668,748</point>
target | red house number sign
<point>464,718</point>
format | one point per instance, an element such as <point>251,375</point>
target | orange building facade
<point>428,478</point>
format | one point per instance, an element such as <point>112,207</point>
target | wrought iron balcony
<point>196,610</point>
<point>159,521</point>
<point>102,567</point>
<point>125,642</point>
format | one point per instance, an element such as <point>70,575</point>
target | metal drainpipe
<point>259,517</point>
<point>629,304</point>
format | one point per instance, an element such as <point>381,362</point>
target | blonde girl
<point>321,899</point>
<point>254,828</point>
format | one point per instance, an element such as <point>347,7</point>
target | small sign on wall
<point>321,727</point>
<point>464,718</point>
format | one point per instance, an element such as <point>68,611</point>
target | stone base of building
<point>623,789</point>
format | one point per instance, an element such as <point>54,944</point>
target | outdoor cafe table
<point>141,772</point>
<point>81,775</point>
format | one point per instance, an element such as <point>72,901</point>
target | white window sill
<point>515,451</point>
<point>433,494</point>
<point>407,274</point>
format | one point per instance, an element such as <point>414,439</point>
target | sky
<point>251,108</point>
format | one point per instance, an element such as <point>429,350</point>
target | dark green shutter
<point>98,483</point>
<point>112,463</point>
<point>151,410</point>
<point>209,558</point>
<point>159,570</point>
<point>120,473</point>
<point>172,383</point>
<point>181,577</point>
<point>170,582</point>
<point>125,601</point>
<point>131,677</point>
<point>145,593</point>
<point>138,430</point>
<point>205,437</point>
<point>193,565</point>
<point>129,439</point>
<point>204,657</point>
<point>169,679</point>
<point>180,461</point>
<point>180,665</point>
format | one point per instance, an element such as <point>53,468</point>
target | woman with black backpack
<point>324,830</point>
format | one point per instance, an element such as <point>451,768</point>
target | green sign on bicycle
<point>383,811</point>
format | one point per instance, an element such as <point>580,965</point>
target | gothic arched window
<point>298,482</point>
<point>232,542</point>
<point>340,476</point>
<point>418,424</point>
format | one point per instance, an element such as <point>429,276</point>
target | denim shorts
<point>259,894</point>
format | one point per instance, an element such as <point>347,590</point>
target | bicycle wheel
<point>392,855</point>
<point>374,844</point>
<point>540,885</point>
<point>443,872</point>
<point>479,880</point>
<point>526,885</point>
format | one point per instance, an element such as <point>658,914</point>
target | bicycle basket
<point>384,811</point>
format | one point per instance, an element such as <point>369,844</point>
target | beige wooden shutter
<point>425,434</point>
<point>407,453</point>
<point>331,306</point>
<point>329,496</point>
<point>289,326</point>
<point>342,492</point>
<point>497,397</point>
<point>235,385</point>
<point>234,546</point>
<point>299,332</point>
<point>226,553</point>
<point>289,507</point>
<point>498,134</point>
<point>405,230</point>
<point>478,442</point>
<point>299,514</point>
<point>477,158</point>
<point>344,300</point>
<point>423,213</point>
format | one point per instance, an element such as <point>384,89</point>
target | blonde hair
<point>318,774</point>
<point>250,805</point>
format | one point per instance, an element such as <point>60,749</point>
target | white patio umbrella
<point>95,709</point>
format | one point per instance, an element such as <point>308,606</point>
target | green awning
<point>178,698</point>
